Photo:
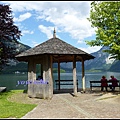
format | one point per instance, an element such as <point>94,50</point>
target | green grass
<point>12,109</point>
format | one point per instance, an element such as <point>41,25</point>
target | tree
<point>8,33</point>
<point>105,17</point>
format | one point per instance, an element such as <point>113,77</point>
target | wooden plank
<point>92,82</point>
<point>65,82</point>
<point>100,81</point>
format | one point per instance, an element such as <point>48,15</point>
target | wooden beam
<point>63,58</point>
<point>74,75</point>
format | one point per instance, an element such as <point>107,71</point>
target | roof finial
<point>54,33</point>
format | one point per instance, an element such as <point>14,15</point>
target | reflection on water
<point>10,80</point>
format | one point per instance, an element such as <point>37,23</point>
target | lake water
<point>11,80</point>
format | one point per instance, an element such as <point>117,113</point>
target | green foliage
<point>55,70</point>
<point>0,54</point>
<point>105,17</point>
<point>93,70</point>
<point>7,28</point>
<point>0,50</point>
<point>8,33</point>
<point>12,109</point>
<point>21,67</point>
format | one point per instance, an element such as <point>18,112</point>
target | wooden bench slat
<point>91,84</point>
<point>65,82</point>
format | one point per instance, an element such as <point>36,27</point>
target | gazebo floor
<point>68,90</point>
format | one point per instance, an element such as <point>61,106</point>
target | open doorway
<point>39,71</point>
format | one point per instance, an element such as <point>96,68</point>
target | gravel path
<point>85,105</point>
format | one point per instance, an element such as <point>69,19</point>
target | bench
<point>65,82</point>
<point>95,84</point>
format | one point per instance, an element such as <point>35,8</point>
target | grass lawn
<point>12,109</point>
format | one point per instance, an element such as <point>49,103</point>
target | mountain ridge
<point>101,62</point>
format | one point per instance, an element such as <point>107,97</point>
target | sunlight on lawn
<point>10,109</point>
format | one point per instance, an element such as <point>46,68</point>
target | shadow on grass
<point>25,91</point>
<point>6,92</point>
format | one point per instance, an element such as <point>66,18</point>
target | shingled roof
<point>55,46</point>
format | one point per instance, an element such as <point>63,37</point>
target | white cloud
<point>26,32</point>
<point>91,49</point>
<point>47,30</point>
<point>22,17</point>
<point>21,6</point>
<point>34,43</point>
<point>69,17</point>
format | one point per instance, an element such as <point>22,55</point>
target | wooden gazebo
<point>47,53</point>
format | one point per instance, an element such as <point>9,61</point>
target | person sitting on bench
<point>104,83</point>
<point>114,83</point>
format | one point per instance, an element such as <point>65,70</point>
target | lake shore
<point>11,80</point>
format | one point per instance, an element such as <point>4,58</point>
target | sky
<point>37,19</point>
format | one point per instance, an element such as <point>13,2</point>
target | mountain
<point>115,67</point>
<point>101,62</point>
<point>18,48</point>
<point>14,65</point>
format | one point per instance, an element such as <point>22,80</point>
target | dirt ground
<point>93,104</point>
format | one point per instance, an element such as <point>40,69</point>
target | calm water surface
<point>11,80</point>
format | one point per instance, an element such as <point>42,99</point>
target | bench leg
<point>90,88</point>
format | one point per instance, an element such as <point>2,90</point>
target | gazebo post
<point>74,75</point>
<point>47,76</point>
<point>83,76</point>
<point>31,77</point>
<point>59,73</point>
<point>51,78</point>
